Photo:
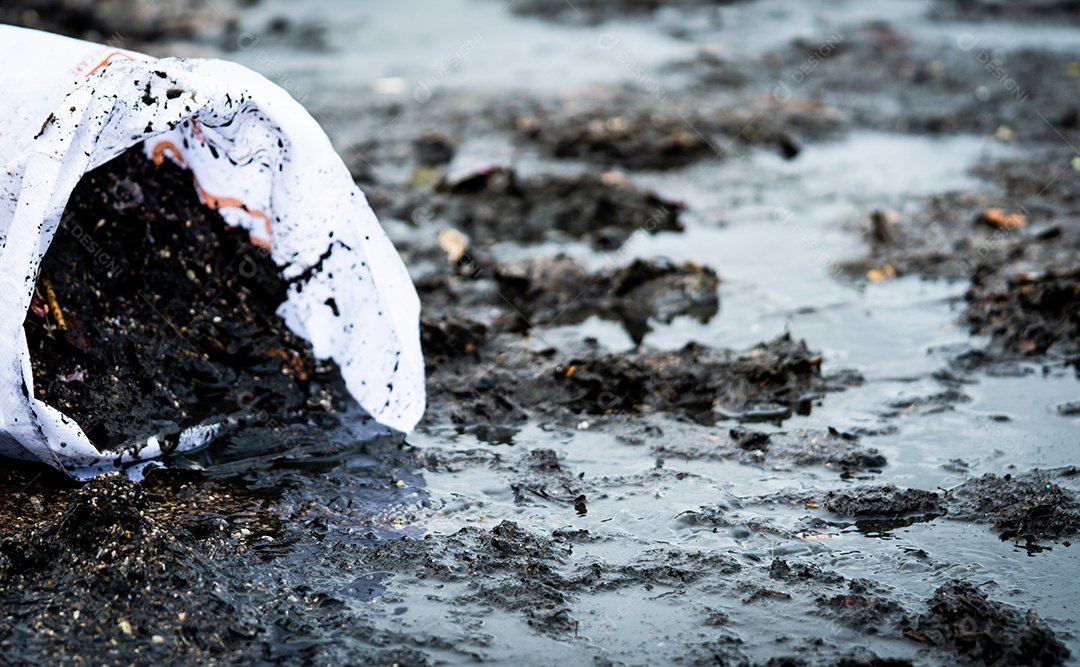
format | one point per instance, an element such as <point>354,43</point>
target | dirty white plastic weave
<point>68,106</point>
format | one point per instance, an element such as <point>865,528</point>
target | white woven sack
<point>69,106</point>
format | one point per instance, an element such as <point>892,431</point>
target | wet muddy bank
<point>689,400</point>
<point>184,568</point>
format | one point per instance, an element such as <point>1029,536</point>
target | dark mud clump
<point>559,290</point>
<point>137,20</point>
<point>1056,10</point>
<point>1029,505</point>
<point>947,238</point>
<point>539,477</point>
<point>151,314</point>
<point>533,295</point>
<point>433,149</point>
<point>941,401</point>
<point>782,570</point>
<point>108,571</point>
<point>1025,505</point>
<point>964,620</point>
<point>780,450</point>
<point>1020,249</point>
<point>873,74</point>
<point>1029,314</point>
<point>636,139</point>
<point>770,381</point>
<point>884,501</point>
<point>448,337</point>
<point>179,569</point>
<point>649,136</point>
<point>495,204</point>
<point>864,604</point>
<point>594,11</point>
<point>508,567</point>
<point>695,380</point>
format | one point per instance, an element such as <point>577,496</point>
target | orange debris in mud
<point>997,217</point>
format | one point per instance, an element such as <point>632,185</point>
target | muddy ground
<point>593,484</point>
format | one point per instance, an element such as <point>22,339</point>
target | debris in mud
<point>508,567</point>
<point>864,657</point>
<point>865,605</point>
<point>1028,314</point>
<point>108,562</point>
<point>1021,251</point>
<point>945,239</point>
<point>783,570</point>
<point>547,290</point>
<point>433,149</point>
<point>1054,10</point>
<point>964,620</point>
<point>926,405</point>
<point>1020,506</point>
<point>138,20</point>
<point>540,477</point>
<point>176,570</point>
<point>153,315</point>
<point>449,337</point>
<point>594,11</point>
<point>636,139</point>
<point>884,501</point>
<point>996,217</point>
<point>781,450</point>
<point>1023,266</point>
<point>644,137</point>
<point>495,204</point>
<point>769,382</point>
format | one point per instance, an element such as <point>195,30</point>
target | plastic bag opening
<point>256,157</point>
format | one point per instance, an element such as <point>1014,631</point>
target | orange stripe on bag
<point>108,59</point>
<point>160,148</point>
<point>216,202</point>
<point>168,148</point>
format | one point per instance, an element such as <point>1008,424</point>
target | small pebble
<point>1070,409</point>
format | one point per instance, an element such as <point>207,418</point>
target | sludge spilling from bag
<point>115,166</point>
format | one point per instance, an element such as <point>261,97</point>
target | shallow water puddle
<point>898,334</point>
<point>416,49</point>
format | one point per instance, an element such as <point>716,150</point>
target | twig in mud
<point>54,304</point>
